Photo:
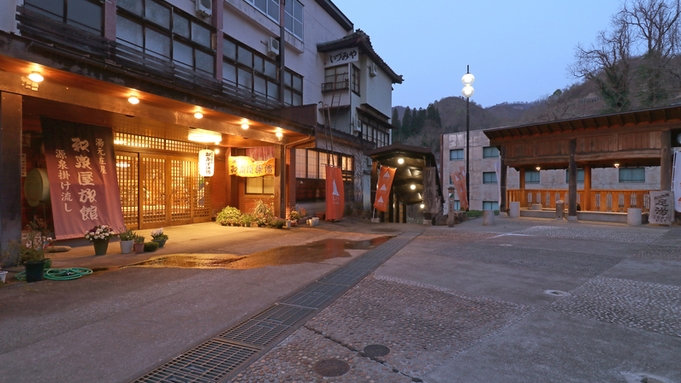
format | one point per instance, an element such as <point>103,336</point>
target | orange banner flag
<point>335,199</point>
<point>459,180</point>
<point>385,180</point>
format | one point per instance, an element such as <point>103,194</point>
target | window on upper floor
<point>165,32</point>
<point>293,14</point>
<point>580,176</point>
<point>532,177</point>
<point>490,152</point>
<point>311,164</point>
<point>336,78</point>
<point>355,80</point>
<point>250,71</point>
<point>489,177</point>
<point>84,14</point>
<point>456,154</point>
<point>632,175</point>
<point>372,131</point>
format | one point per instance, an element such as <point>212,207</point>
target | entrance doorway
<point>161,190</point>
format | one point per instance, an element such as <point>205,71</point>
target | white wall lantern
<point>206,163</point>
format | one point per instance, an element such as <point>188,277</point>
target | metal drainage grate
<point>283,314</point>
<point>374,350</point>
<point>331,367</point>
<point>208,362</point>
<point>254,332</point>
<point>315,295</point>
<point>345,277</point>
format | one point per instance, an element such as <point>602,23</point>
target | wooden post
<point>10,171</point>
<point>503,198</point>
<point>572,185</point>
<point>665,160</point>
<point>586,203</point>
<point>523,194</point>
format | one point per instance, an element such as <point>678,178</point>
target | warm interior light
<point>412,187</point>
<point>400,160</point>
<point>244,126</point>
<point>201,135</point>
<point>36,77</point>
<point>617,165</point>
<point>133,100</point>
<point>198,115</point>
<point>422,206</point>
<point>279,135</point>
<point>206,163</point>
<point>538,168</point>
<point>217,150</point>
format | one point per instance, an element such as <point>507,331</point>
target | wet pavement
<point>522,300</point>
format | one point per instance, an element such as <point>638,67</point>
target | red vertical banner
<point>81,168</point>
<point>335,194</point>
<point>385,181</point>
<point>459,180</point>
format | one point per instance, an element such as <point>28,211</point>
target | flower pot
<point>160,242</point>
<point>3,276</point>
<point>34,271</point>
<point>101,245</point>
<point>126,246</point>
<point>139,248</point>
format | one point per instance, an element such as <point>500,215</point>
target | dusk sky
<point>517,50</point>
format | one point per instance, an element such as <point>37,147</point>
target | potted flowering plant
<point>100,236</point>
<point>159,237</point>
<point>32,255</point>
<point>127,239</point>
<point>139,244</point>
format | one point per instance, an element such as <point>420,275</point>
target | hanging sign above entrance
<point>243,166</point>
<point>206,163</point>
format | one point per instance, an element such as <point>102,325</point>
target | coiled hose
<point>66,274</point>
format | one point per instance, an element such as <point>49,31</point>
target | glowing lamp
<point>206,163</point>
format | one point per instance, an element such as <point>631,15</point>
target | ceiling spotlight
<point>133,100</point>
<point>400,160</point>
<point>538,168</point>
<point>244,126</point>
<point>36,77</point>
<point>216,150</point>
<point>279,135</point>
<point>617,165</point>
<point>422,205</point>
<point>198,115</point>
<point>412,187</point>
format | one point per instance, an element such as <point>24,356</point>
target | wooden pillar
<point>572,185</point>
<point>503,198</point>
<point>291,183</point>
<point>280,182</point>
<point>666,160</point>
<point>523,195</point>
<point>586,203</point>
<point>10,171</point>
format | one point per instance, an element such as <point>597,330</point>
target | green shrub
<point>263,213</point>
<point>474,213</point>
<point>246,220</point>
<point>229,216</point>
<point>150,246</point>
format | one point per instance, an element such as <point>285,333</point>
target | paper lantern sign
<point>206,163</point>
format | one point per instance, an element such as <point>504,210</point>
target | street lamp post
<point>467,92</point>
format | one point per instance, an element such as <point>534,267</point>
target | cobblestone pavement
<point>443,334</point>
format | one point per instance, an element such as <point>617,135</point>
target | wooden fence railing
<point>598,200</point>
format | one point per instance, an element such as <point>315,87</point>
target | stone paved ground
<point>421,306</point>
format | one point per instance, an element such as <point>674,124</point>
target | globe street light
<point>467,92</point>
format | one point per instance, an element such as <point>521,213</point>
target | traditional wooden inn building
<point>189,106</point>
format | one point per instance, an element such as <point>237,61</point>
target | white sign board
<point>676,181</point>
<point>342,56</point>
<point>661,207</point>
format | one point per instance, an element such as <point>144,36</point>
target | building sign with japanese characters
<point>81,171</point>
<point>342,56</point>
<point>244,166</point>
<point>661,207</point>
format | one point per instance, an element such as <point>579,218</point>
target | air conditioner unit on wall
<point>204,8</point>
<point>273,47</point>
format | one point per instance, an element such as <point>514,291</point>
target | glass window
<point>355,79</point>
<point>201,35</point>
<point>489,177</point>
<point>301,163</point>
<point>157,13</point>
<point>229,73</point>
<point>580,176</point>
<point>634,175</point>
<point>229,49</point>
<point>490,152</point>
<point>294,18</point>
<point>157,43</point>
<point>490,205</point>
<point>260,185</point>
<point>532,177</point>
<point>83,14</point>
<point>336,78</point>
<point>456,154</point>
<point>181,26</point>
<point>51,8</point>
<point>457,205</point>
<point>129,32</point>
<point>245,79</point>
<point>312,164</point>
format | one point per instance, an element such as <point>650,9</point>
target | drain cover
<point>374,350</point>
<point>331,367</point>
<point>557,293</point>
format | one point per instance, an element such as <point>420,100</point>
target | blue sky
<point>518,50</point>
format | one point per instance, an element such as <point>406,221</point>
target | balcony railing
<point>598,200</point>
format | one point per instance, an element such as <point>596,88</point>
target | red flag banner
<point>335,198</point>
<point>385,181</point>
<point>459,180</point>
<point>81,168</point>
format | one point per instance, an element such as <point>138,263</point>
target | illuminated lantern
<point>206,163</point>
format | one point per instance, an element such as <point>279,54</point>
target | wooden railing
<point>598,200</point>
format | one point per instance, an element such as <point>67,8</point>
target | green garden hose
<point>59,274</point>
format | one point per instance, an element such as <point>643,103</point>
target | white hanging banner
<point>676,181</point>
